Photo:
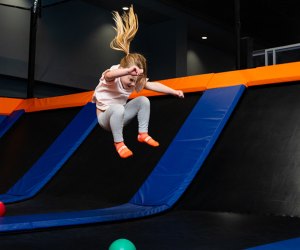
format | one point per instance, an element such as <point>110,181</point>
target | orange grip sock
<point>122,150</point>
<point>145,138</point>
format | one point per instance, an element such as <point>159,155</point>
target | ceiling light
<point>204,37</point>
<point>125,8</point>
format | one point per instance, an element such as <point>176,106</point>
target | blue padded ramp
<point>30,222</point>
<point>169,179</point>
<point>189,149</point>
<point>2,118</point>
<point>55,156</point>
<point>291,244</point>
<point>6,122</point>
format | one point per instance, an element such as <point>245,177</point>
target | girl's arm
<point>111,75</point>
<point>159,87</point>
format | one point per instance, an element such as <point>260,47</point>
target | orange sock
<point>145,138</point>
<point>122,150</point>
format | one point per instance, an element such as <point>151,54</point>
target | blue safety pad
<point>55,156</point>
<point>6,122</point>
<point>2,118</point>
<point>189,149</point>
<point>291,244</point>
<point>169,179</point>
<point>29,222</point>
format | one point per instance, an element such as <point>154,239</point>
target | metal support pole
<point>34,12</point>
<point>238,33</point>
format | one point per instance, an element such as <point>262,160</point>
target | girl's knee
<point>144,100</point>
<point>117,109</point>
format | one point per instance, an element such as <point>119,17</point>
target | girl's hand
<point>135,71</point>
<point>179,93</point>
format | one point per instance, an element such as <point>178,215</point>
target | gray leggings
<point>117,116</point>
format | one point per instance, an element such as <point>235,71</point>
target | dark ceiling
<point>271,23</point>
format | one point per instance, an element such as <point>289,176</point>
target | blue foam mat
<point>38,221</point>
<point>291,244</point>
<point>189,149</point>
<point>2,118</point>
<point>6,122</point>
<point>54,158</point>
<point>169,179</point>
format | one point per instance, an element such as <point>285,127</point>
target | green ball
<point>122,244</point>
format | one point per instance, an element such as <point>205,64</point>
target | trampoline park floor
<point>174,230</point>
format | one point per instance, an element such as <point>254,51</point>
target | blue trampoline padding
<point>189,149</point>
<point>30,222</point>
<point>6,122</point>
<point>2,118</point>
<point>291,244</point>
<point>55,156</point>
<point>169,179</point>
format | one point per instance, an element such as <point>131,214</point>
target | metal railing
<point>271,53</point>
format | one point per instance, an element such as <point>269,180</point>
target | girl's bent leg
<point>112,120</point>
<point>140,106</point>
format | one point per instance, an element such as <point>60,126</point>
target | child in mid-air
<point>117,83</point>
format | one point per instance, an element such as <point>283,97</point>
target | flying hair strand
<point>126,28</point>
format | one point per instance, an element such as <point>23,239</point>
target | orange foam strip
<point>225,79</point>
<point>8,105</point>
<point>273,74</point>
<point>73,100</point>
<point>249,77</point>
<point>26,104</point>
<point>187,84</point>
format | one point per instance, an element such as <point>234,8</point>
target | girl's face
<point>128,81</point>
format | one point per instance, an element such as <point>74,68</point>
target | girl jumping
<point>117,83</point>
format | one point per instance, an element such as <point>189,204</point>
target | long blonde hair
<point>126,29</point>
